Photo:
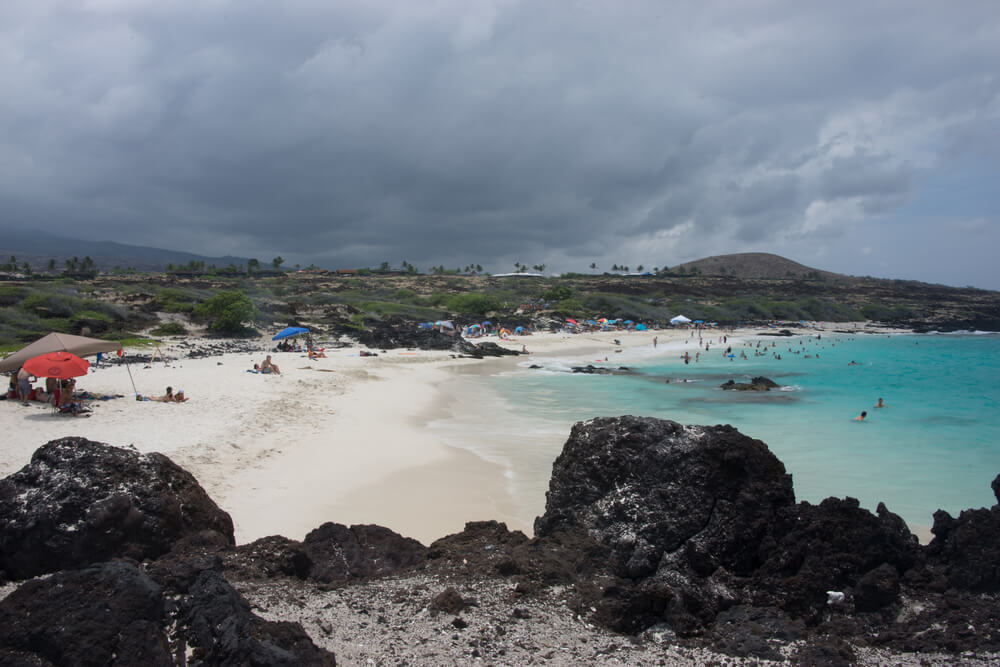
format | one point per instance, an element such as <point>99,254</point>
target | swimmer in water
<point>861,417</point>
<point>880,404</point>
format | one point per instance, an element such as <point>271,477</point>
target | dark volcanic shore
<point>659,544</point>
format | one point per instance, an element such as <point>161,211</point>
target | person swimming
<point>861,417</point>
<point>880,404</point>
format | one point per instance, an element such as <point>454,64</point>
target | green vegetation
<point>231,302</point>
<point>228,312</point>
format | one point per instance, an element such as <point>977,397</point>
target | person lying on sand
<point>316,354</point>
<point>169,397</point>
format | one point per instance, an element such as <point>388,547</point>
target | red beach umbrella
<point>57,365</point>
<point>571,321</point>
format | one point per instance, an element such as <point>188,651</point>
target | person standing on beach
<point>23,385</point>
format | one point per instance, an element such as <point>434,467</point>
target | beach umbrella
<point>487,323</point>
<point>518,330</point>
<point>628,322</point>
<point>447,324</point>
<point>426,325</point>
<point>55,342</point>
<point>290,331</point>
<point>699,321</point>
<point>571,321</point>
<point>57,365</point>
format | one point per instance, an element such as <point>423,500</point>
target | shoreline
<point>354,444</point>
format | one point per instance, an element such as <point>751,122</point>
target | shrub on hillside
<point>228,312</point>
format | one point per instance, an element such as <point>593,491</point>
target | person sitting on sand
<point>861,417</point>
<point>316,354</point>
<point>179,396</point>
<point>880,404</point>
<point>269,366</point>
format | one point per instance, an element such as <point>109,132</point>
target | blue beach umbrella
<point>426,325</point>
<point>487,323</point>
<point>290,331</point>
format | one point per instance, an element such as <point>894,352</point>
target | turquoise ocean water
<point>935,445</point>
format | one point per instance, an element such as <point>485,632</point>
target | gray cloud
<point>350,133</point>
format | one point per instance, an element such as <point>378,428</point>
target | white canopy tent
<point>680,319</point>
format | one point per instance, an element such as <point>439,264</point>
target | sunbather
<point>269,366</point>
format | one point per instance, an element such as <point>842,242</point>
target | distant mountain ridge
<point>753,265</point>
<point>37,248</point>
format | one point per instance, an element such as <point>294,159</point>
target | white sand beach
<point>341,439</point>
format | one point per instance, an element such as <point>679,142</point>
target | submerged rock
<point>755,384</point>
<point>590,369</point>
<point>79,502</point>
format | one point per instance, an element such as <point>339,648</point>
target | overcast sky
<point>859,137</point>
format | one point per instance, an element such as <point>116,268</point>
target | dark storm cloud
<point>351,133</point>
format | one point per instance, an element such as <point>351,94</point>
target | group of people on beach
<point>56,392</point>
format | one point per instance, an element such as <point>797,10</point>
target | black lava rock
<point>79,502</point>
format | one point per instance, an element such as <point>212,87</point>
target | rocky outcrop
<point>114,613</point>
<point>484,349</point>
<point>402,333</point>
<point>79,502</point>
<point>701,519</point>
<point>340,554</point>
<point>331,555</point>
<point>756,384</point>
<point>682,535</point>
<point>590,369</point>
<point>966,550</point>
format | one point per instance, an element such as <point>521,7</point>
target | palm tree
<point>277,262</point>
